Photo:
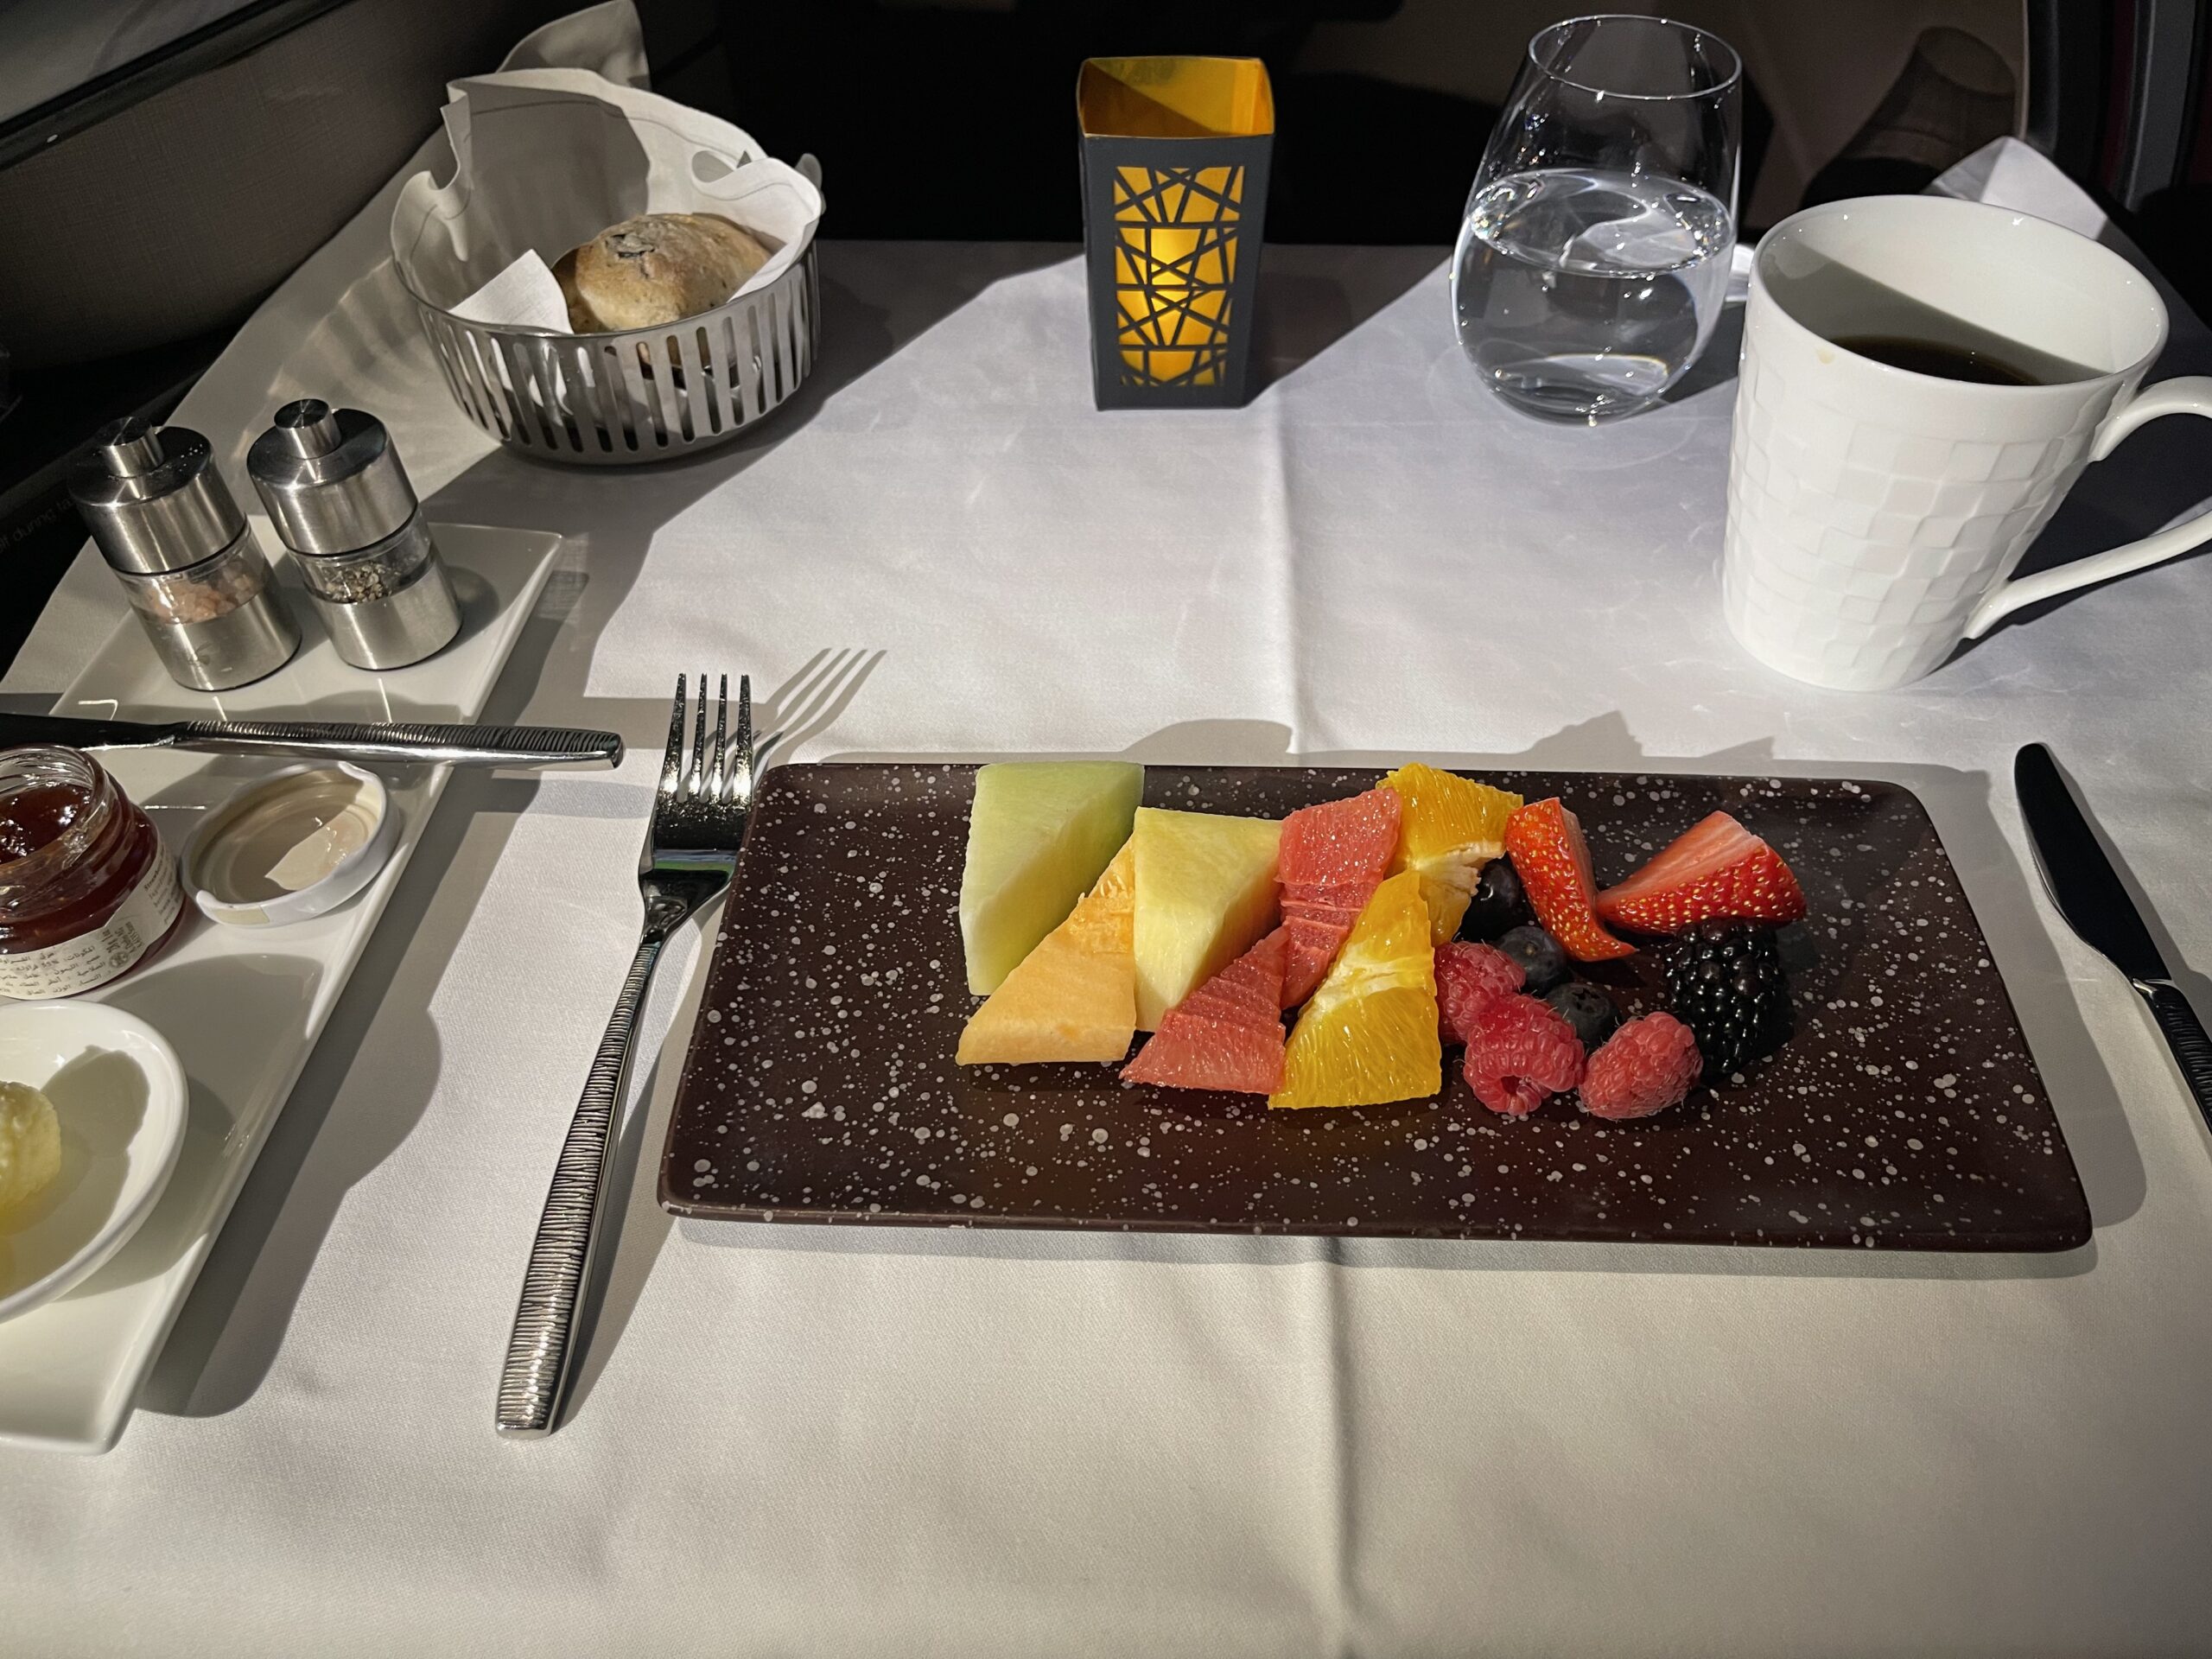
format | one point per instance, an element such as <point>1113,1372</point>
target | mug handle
<point>2187,394</point>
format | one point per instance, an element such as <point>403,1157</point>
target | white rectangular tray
<point>242,1005</point>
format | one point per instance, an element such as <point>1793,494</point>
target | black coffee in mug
<point>1879,502</point>
<point>1942,359</point>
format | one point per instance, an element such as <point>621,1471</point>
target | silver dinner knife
<point>405,742</point>
<point>2088,893</point>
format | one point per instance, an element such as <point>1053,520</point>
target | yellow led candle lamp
<point>1175,175</point>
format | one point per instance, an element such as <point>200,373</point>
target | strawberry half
<point>1717,870</point>
<point>1545,843</point>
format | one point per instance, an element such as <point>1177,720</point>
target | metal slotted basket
<point>640,394</point>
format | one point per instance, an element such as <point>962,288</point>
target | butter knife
<point>2088,893</point>
<point>360,741</point>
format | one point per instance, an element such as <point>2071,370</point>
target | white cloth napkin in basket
<point>549,157</point>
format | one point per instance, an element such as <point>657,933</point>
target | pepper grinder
<point>341,501</point>
<point>166,523</point>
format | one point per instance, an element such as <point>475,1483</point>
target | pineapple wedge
<point>1205,891</point>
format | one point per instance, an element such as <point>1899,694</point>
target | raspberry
<point>1648,1066</point>
<point>1465,974</point>
<point>1521,1052</point>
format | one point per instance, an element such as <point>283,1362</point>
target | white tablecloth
<point>793,1441</point>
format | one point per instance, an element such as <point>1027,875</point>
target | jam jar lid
<point>294,845</point>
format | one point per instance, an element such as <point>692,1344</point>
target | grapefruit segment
<point>1368,1034</point>
<point>1073,997</point>
<point>1226,1034</point>
<point>1453,826</point>
<point>1333,857</point>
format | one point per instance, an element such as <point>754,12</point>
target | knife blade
<point>407,743</point>
<point>2089,894</point>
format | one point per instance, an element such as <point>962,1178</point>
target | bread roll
<point>655,268</point>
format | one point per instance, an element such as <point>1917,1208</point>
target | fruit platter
<point>1409,1001</point>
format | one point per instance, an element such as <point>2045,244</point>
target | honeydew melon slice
<point>1039,836</point>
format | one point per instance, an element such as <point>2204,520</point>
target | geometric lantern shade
<point>1174,199</point>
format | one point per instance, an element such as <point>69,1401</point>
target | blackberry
<point>1724,981</point>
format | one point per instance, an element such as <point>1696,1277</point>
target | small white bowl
<point>120,1093</point>
<point>299,842</point>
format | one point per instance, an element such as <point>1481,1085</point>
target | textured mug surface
<point>1874,512</point>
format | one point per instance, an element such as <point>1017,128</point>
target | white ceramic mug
<point>1875,513</point>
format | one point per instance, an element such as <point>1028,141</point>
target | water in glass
<point>1593,259</point>
<point>1580,292</point>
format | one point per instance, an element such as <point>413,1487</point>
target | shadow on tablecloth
<point>1302,313</point>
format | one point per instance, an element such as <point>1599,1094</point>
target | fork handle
<point>535,1379</point>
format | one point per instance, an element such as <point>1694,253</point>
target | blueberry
<point>1588,1009</point>
<point>1498,904</point>
<point>1542,958</point>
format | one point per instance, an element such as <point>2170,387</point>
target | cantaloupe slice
<point>1074,996</point>
<point>1039,834</point>
<point>1205,893</point>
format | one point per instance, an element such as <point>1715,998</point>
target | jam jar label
<point>96,957</point>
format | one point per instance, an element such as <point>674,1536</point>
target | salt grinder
<point>166,525</point>
<point>341,502</point>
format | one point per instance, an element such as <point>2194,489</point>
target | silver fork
<point>699,814</point>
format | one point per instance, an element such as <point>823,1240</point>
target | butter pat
<point>31,1144</point>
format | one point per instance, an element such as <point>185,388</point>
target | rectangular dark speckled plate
<point>1905,1113</point>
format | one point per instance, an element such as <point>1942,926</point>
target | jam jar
<point>87,891</point>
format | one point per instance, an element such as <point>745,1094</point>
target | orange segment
<point>1368,1034</point>
<point>1453,826</point>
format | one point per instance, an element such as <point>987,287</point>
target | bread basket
<point>564,139</point>
<point>641,394</point>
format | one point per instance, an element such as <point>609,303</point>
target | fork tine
<point>714,774</point>
<point>672,765</point>
<point>741,772</point>
<point>698,743</point>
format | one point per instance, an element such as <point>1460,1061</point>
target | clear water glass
<point>1593,259</point>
